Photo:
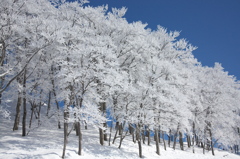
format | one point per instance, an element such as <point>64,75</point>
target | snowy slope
<point>43,143</point>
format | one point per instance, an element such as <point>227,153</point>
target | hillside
<point>44,144</point>
<point>63,62</point>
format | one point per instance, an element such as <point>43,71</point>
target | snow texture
<point>46,144</point>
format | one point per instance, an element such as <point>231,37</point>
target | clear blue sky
<point>211,25</point>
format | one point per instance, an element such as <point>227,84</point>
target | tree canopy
<point>55,52</point>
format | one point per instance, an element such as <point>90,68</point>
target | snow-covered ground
<point>47,144</point>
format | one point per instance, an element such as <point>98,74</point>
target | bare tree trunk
<point>149,134</point>
<point>175,140</point>
<point>130,129</point>
<point>188,141</point>
<point>121,138</point>
<point>197,139</point>
<point>204,143</point>
<point>203,146</point>
<point>143,136</point>
<point>159,135</point>
<point>32,110</point>
<point>169,138</point>
<point>164,143</point>
<point>132,132</point>
<point>110,135</point>
<point>133,137</point>
<point>49,103</point>
<point>193,145</point>
<point>103,135</point>
<point>24,105</point>
<point>66,116</point>
<point>79,138</point>
<point>193,138</point>
<point>55,96</point>
<point>138,137</point>
<point>117,129</point>
<point>39,114</point>
<point>66,121</point>
<point>175,137</point>
<point>140,148</point>
<point>59,123</point>
<point>211,142</point>
<point>76,125</point>
<point>157,142</point>
<point>104,132</point>
<point>120,131</point>
<point>2,59</point>
<point>181,140</point>
<point>85,124</point>
<point>18,112</point>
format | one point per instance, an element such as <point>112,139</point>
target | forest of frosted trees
<point>74,66</point>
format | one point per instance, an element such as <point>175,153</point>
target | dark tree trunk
<point>121,139</point>
<point>56,102</point>
<point>208,145</point>
<point>2,59</point>
<point>149,139</point>
<point>79,138</point>
<point>204,143</point>
<point>85,125</point>
<point>159,136</point>
<point>120,131</point>
<point>133,137</point>
<point>140,148</point>
<point>143,136</point>
<point>157,142</point>
<point>18,112</point>
<point>175,140</point>
<point>110,135</point>
<point>164,143</point>
<point>32,110</point>
<point>236,149</point>
<point>102,134</point>
<point>59,123</point>
<point>101,138</point>
<point>193,146</point>
<point>122,136</point>
<point>155,136</point>
<point>175,137</point>
<point>76,128</point>
<point>66,116</point>
<point>39,114</point>
<point>211,142</point>
<point>49,103</point>
<point>169,138</point>
<point>117,125</point>
<point>117,129</point>
<point>188,141</point>
<point>138,138</point>
<point>181,140</point>
<point>131,130</point>
<point>193,138</point>
<point>197,140</point>
<point>105,134</point>
<point>24,106</point>
<point>203,146</point>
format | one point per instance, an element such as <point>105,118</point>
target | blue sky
<point>211,25</point>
